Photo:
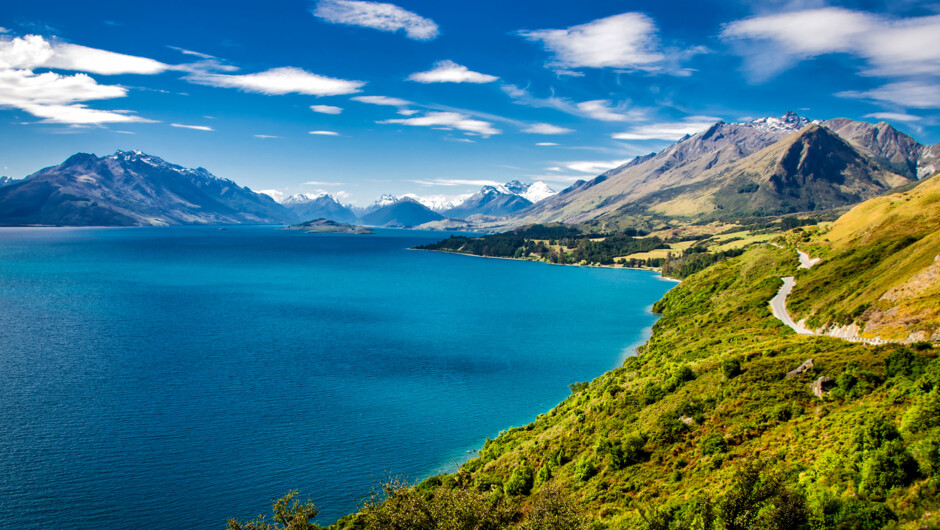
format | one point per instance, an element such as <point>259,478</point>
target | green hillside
<point>704,429</point>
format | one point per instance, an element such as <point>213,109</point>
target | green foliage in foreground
<point>703,430</point>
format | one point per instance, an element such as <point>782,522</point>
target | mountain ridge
<point>129,188</point>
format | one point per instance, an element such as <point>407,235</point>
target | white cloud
<point>626,41</point>
<point>326,109</point>
<point>382,100</point>
<point>667,130</point>
<point>451,72</point>
<point>279,81</point>
<point>457,182</point>
<point>193,127</point>
<point>320,183</point>
<point>598,109</point>
<point>277,195</point>
<point>58,98</point>
<point>892,47</point>
<point>893,116</point>
<point>594,167</point>
<point>33,51</point>
<point>909,94</point>
<point>601,109</point>
<point>557,178</point>
<point>376,15</point>
<point>546,128</point>
<point>449,120</point>
<point>324,133</point>
<point>546,144</point>
<point>407,112</point>
<point>266,136</point>
<point>190,52</point>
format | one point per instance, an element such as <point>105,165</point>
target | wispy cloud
<point>266,136</point>
<point>893,116</point>
<point>546,128</point>
<point>451,72</point>
<point>457,182</point>
<point>190,52</point>
<point>60,99</point>
<point>909,94</point>
<point>326,109</point>
<point>598,109</point>
<point>279,81</point>
<point>449,120</point>
<point>668,130</point>
<point>626,41</point>
<point>546,144</point>
<point>376,15</point>
<point>324,133</point>
<point>382,100</point>
<point>193,127</point>
<point>321,183</point>
<point>34,51</point>
<point>594,167</point>
<point>891,47</point>
<point>601,109</point>
<point>564,179</point>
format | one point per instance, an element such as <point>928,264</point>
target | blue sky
<point>361,98</point>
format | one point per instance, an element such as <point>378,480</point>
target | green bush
<point>924,415</point>
<point>584,468</point>
<point>731,368</point>
<point>520,482</point>
<point>713,444</point>
<point>889,466</point>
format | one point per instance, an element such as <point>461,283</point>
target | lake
<point>175,377</point>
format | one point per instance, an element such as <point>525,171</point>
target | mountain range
<point>132,188</point>
<point>499,200</point>
<point>769,166</point>
<point>765,167</point>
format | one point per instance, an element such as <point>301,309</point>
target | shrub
<point>873,434</point>
<point>584,468</point>
<point>288,513</point>
<point>924,415</point>
<point>731,368</point>
<point>889,466</point>
<point>520,482</point>
<point>713,444</point>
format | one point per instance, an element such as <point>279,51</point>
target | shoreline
<point>650,269</point>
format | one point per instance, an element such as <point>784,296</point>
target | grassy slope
<point>675,425</point>
<point>882,244</point>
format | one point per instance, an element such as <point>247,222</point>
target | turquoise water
<point>174,377</point>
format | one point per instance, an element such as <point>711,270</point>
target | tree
<point>288,513</point>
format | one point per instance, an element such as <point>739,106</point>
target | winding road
<point>778,304</point>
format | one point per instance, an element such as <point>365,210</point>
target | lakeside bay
<point>194,374</point>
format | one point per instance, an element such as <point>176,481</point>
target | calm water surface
<point>174,377</point>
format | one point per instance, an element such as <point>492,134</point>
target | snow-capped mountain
<point>6,180</point>
<point>404,212</point>
<point>438,203</point>
<point>533,192</point>
<point>131,188</point>
<point>311,206</point>
<point>789,122</point>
